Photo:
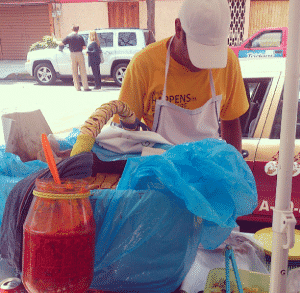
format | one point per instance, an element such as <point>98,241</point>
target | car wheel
<point>119,73</point>
<point>45,74</point>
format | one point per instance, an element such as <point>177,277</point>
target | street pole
<point>151,15</point>
<point>283,218</point>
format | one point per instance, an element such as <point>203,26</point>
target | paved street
<point>62,106</point>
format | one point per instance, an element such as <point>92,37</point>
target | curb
<point>27,76</point>
<point>18,76</point>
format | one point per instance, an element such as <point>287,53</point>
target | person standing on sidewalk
<point>94,51</point>
<point>76,44</point>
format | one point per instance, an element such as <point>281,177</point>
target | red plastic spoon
<point>50,158</point>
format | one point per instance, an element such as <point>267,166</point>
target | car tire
<point>119,73</point>
<point>45,74</point>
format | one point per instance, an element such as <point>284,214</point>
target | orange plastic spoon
<point>50,158</point>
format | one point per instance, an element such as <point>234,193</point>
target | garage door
<point>268,14</point>
<point>123,14</point>
<point>20,27</point>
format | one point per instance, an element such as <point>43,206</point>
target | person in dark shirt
<point>94,51</point>
<point>76,44</point>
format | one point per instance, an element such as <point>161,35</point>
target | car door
<point>266,44</point>
<point>262,94</point>
<point>266,165</point>
<point>63,60</point>
<point>108,41</point>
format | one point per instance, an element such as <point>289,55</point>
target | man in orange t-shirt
<point>181,87</point>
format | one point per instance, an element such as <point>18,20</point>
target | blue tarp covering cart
<point>164,206</point>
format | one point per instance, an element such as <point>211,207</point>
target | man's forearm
<point>231,132</point>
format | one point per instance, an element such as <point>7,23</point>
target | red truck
<point>267,42</point>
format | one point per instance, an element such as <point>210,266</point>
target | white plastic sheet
<point>293,281</point>
<point>247,254</point>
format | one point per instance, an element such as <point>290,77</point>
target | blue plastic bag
<point>12,170</point>
<point>149,228</point>
<point>145,241</point>
<point>210,177</point>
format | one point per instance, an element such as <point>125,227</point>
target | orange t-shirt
<point>145,76</point>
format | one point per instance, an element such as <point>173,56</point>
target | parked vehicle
<point>118,46</point>
<point>268,42</point>
<point>264,82</point>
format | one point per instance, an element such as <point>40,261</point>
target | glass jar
<point>59,238</point>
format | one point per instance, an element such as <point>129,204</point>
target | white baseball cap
<point>206,24</point>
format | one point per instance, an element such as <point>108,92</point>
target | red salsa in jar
<point>59,238</point>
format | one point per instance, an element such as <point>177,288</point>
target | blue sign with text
<point>260,53</point>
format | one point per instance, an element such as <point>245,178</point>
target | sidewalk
<point>13,70</point>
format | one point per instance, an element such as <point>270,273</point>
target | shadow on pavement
<point>68,83</point>
<point>107,83</point>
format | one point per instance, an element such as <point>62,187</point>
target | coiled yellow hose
<point>93,125</point>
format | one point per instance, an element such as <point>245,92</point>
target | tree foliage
<point>46,43</point>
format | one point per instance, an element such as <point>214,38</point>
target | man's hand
<point>61,46</point>
<point>231,132</point>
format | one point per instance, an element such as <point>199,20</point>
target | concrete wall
<point>95,15</point>
<point>87,15</point>
<point>143,14</point>
<point>165,14</point>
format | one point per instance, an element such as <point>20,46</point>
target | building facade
<point>24,22</point>
<point>22,25</point>
<point>268,13</point>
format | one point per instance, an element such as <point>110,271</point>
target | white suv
<point>118,46</point>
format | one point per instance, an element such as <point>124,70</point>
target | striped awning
<point>38,2</point>
<point>81,1</point>
<point>21,2</point>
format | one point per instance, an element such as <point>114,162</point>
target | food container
<point>264,238</point>
<point>59,238</point>
<point>252,282</point>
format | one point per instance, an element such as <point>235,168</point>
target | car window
<point>106,39</point>
<point>257,91</point>
<point>265,40</point>
<point>275,133</point>
<point>127,39</point>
